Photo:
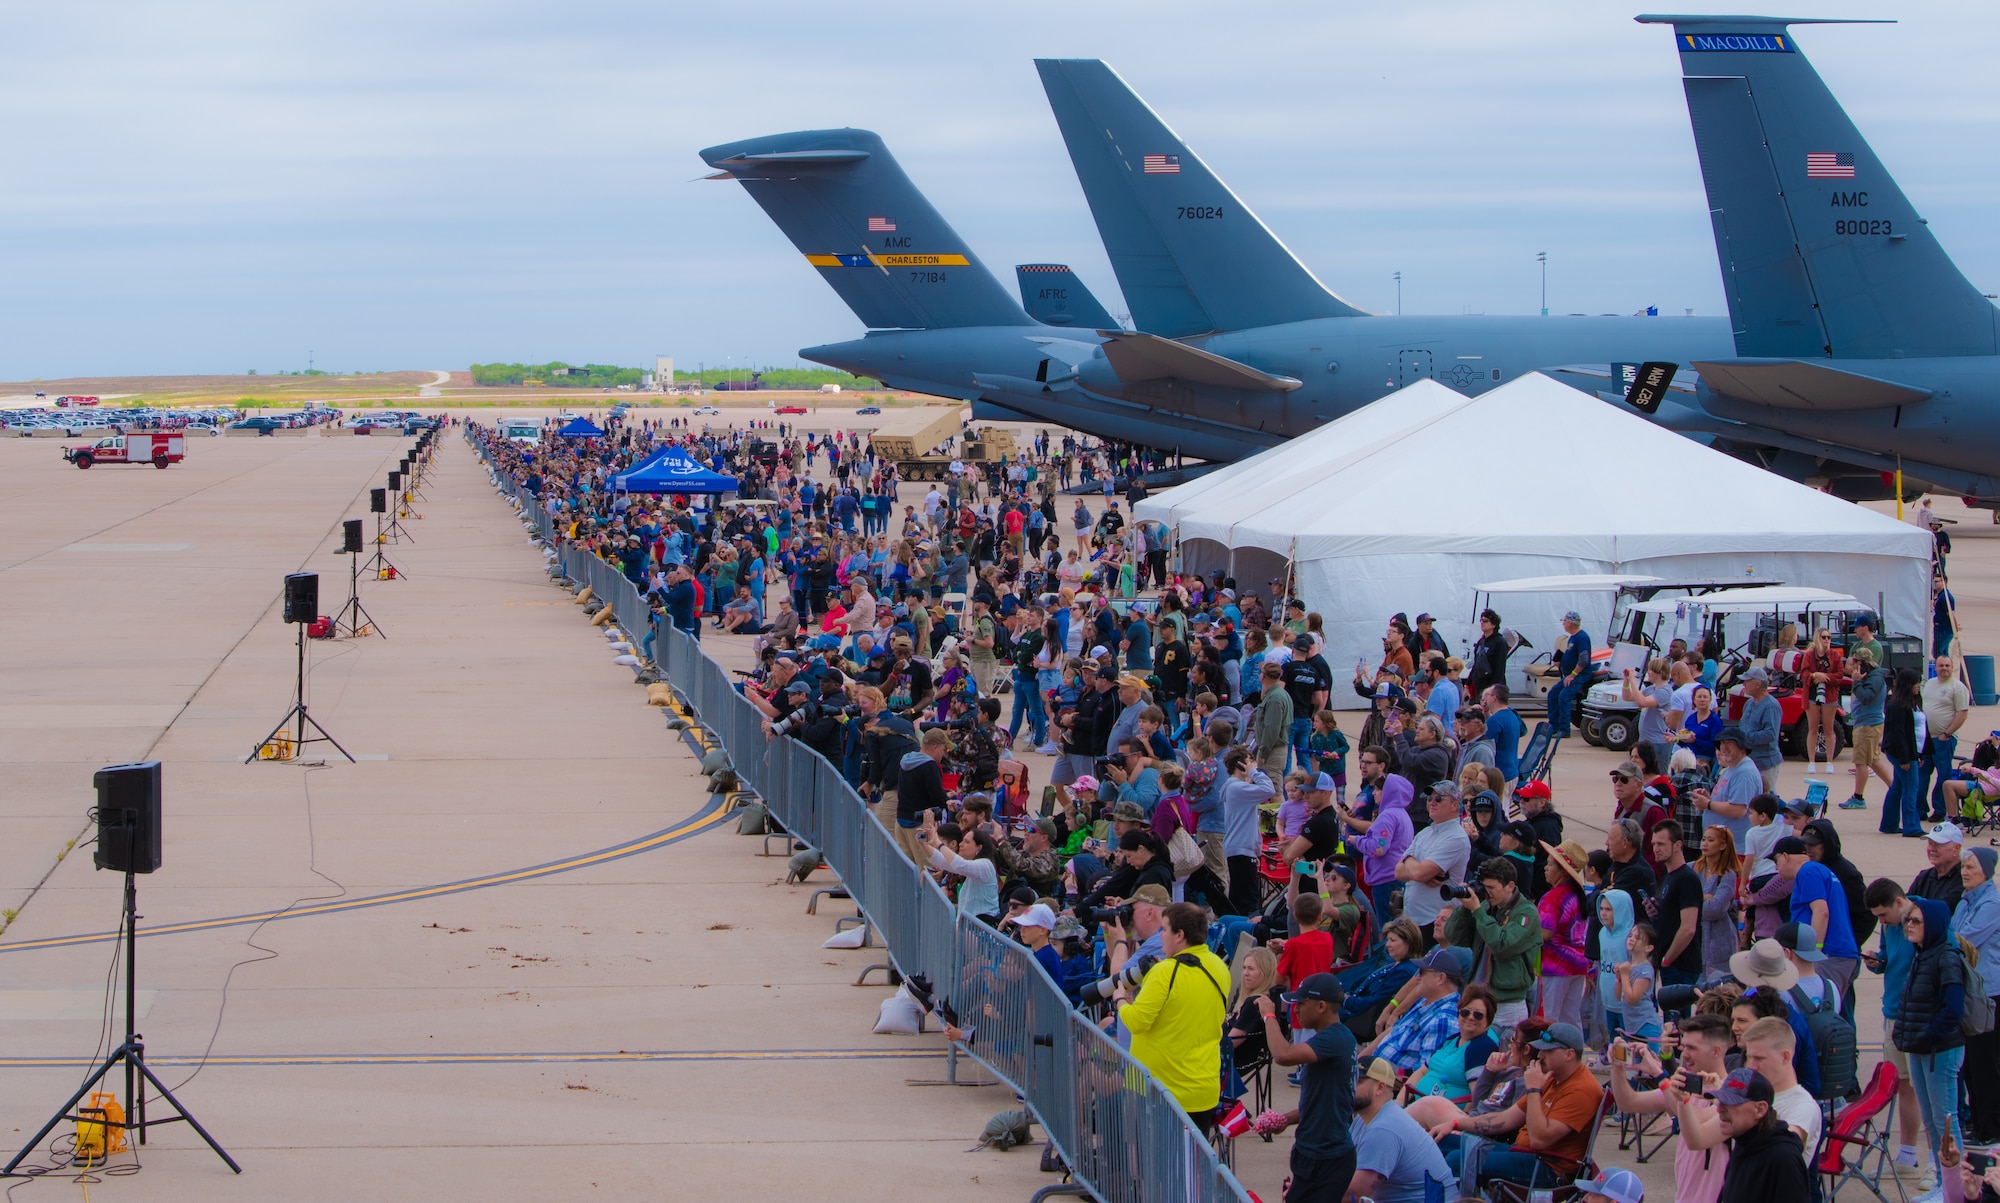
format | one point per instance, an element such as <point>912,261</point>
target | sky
<point>217,185</point>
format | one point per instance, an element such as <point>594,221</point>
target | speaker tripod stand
<point>400,505</point>
<point>380,564</point>
<point>351,612</point>
<point>299,718</point>
<point>131,1054</point>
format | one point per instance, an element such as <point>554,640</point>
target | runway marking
<point>714,814</point>
<point>577,1058</point>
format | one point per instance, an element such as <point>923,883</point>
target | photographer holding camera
<point>1176,1016</point>
<point>1501,928</point>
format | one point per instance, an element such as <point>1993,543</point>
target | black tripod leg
<point>307,716</point>
<point>118,1055</point>
<point>282,724</point>
<point>186,1115</point>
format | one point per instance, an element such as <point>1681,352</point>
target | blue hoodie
<point>1896,957</point>
<point>1611,945</point>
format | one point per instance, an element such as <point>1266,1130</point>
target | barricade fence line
<point>1123,1136</point>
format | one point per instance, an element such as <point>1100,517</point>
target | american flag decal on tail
<point>1162,164</point>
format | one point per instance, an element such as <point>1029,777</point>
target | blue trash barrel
<point>1979,679</point>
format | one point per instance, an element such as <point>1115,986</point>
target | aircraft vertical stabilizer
<point>1051,293</point>
<point>1821,253</point>
<point>1191,258</point>
<point>843,200</point>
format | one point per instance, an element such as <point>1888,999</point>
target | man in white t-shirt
<point>1438,854</point>
<point>1947,704</point>
<point>1768,1046</point>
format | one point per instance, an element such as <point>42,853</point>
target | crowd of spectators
<point>1439,961</point>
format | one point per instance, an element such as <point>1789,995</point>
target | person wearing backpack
<point>1818,999</point>
<point>1928,1026</point>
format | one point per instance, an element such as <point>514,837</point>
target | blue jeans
<point>1380,893</point>
<point>1028,700</point>
<point>1501,1165</point>
<point>1302,729</point>
<point>1935,1076</point>
<point>1903,810</point>
<point>1562,702</point>
<point>1937,762</point>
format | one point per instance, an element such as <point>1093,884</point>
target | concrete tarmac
<point>647,1025</point>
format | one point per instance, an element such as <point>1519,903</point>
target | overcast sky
<point>223,185</point>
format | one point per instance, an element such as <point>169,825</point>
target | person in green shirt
<point>1864,636</point>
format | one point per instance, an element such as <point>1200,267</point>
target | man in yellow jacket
<point>1176,1016</point>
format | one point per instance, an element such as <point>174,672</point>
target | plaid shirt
<point>1426,1029</point>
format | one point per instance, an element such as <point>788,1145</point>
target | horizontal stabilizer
<point>1052,294</point>
<point>1137,357</point>
<point>1798,384</point>
<point>843,200</point>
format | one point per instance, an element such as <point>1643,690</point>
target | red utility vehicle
<point>158,449</point>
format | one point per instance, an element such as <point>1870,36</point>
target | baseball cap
<point>1757,674</point>
<point>1134,682</point>
<point>1319,987</point>
<point>1790,845</point>
<point>1629,769</point>
<point>1572,616</point>
<point>1085,782</point>
<point>1128,811</point>
<point>1802,940</point>
<point>1619,1186</point>
<point>1038,915</point>
<point>1523,833</point>
<point>1448,961</point>
<point>1047,827</point>
<point>1388,689</point>
<point>1153,895</point>
<point>1560,1035</point>
<point>1801,808</point>
<point>1946,833</point>
<point>1534,789</point>
<point>1379,1069</point>
<point>1302,643</point>
<point>1324,783</point>
<point>1745,1085</point>
<point>798,686</point>
<point>1099,652</point>
<point>1424,618</point>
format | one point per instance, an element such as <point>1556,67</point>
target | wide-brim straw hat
<point>1571,857</point>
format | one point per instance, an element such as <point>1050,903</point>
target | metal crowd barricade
<point>1123,1137</point>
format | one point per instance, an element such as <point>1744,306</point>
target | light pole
<point>1399,294</point>
<point>1542,257</point>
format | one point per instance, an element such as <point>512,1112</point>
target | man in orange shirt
<point>1551,1121</point>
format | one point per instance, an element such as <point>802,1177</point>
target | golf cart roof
<point>1567,584</point>
<point>747,503</point>
<point>1795,598</point>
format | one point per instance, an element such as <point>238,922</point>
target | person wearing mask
<point>1503,932</point>
<point>1977,922</point>
<point>1323,1152</point>
<point>1176,1016</point>
<point>1903,739</point>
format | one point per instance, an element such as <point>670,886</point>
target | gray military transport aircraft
<point>1859,346</point>
<point>1237,346</point>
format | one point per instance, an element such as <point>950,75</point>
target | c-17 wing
<point>1136,357</point>
<point>1803,385</point>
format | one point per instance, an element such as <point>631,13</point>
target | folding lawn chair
<point>1565,1186</point>
<point>1864,1124</point>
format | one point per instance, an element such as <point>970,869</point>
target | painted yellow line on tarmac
<point>573,1058</point>
<point>712,815</point>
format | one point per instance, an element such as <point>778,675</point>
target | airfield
<point>516,951</point>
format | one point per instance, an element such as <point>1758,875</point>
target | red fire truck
<point>158,449</point>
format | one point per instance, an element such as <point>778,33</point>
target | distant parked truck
<point>66,402</point>
<point>158,449</point>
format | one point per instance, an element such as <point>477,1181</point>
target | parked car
<point>706,411</point>
<point>790,409</point>
<point>869,409</point>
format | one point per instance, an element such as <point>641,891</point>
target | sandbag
<point>1005,1130</point>
<point>627,661</point>
<point>601,617</point>
<point>853,937</point>
<point>723,782</point>
<point>659,693</point>
<point>751,821</point>
<point>801,864</point>
<point>900,1015</point>
<point>715,760</point>
<point>583,595</point>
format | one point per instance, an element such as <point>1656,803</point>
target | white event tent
<point>1408,504</point>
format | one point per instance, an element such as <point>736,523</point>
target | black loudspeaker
<point>378,501</point>
<point>395,482</point>
<point>302,597</point>
<point>350,536</point>
<point>405,465</point>
<point>128,817</point>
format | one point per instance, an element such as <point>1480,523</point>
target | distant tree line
<point>556,374</point>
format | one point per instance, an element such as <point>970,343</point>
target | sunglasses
<point>1471,1013</point>
<point>1620,777</point>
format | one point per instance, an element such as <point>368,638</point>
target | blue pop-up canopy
<point>581,428</point>
<point>673,470</point>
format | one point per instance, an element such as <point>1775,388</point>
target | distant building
<point>663,372</point>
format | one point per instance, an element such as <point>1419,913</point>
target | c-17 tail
<point>1052,294</point>
<point>1822,256</point>
<point>1191,258</point>
<point>843,200</point>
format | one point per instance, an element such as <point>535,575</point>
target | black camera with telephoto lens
<point>1090,917</point>
<point>1099,992</point>
<point>1459,891</point>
